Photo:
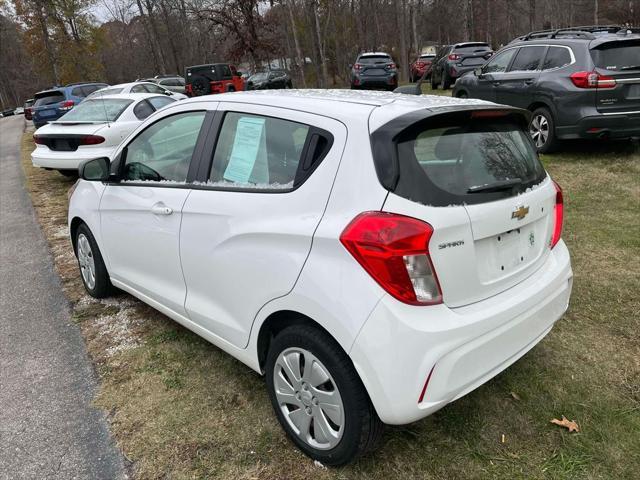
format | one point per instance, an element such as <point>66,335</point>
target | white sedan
<point>93,129</point>
<point>137,87</point>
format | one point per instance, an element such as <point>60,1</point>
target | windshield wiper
<point>630,67</point>
<point>496,186</point>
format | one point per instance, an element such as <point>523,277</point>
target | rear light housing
<point>454,56</point>
<point>592,80</point>
<point>394,250</point>
<point>91,140</point>
<point>357,66</point>
<point>66,105</point>
<point>38,140</point>
<point>391,66</point>
<point>558,216</point>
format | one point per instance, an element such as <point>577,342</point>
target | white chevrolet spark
<point>375,256</point>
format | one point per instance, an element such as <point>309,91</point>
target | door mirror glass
<point>95,170</point>
<point>478,72</point>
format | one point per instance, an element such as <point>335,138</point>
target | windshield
<point>259,77</point>
<point>106,91</point>
<point>97,110</point>
<point>48,98</point>
<point>373,59</point>
<point>621,55</point>
<point>472,48</point>
<point>466,160</point>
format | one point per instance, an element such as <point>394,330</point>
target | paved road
<point>48,428</point>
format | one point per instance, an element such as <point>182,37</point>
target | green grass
<point>180,408</point>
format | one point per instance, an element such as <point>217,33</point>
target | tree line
<point>50,42</point>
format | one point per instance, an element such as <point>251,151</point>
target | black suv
<point>579,83</point>
<point>272,79</point>
<point>374,70</point>
<point>452,61</point>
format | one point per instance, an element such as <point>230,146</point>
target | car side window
<point>77,92</point>
<point>556,57</point>
<point>159,102</point>
<point>163,151</point>
<point>139,88</point>
<point>142,110</point>
<point>226,71</point>
<point>153,88</point>
<point>499,62</point>
<point>258,152</point>
<point>527,59</point>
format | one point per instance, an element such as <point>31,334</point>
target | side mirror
<point>238,74</point>
<point>94,170</point>
<point>413,89</point>
<point>351,65</point>
<point>478,72</point>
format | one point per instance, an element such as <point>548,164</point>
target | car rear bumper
<point>46,158</point>
<point>456,71</point>
<point>400,346</point>
<point>622,125</point>
<point>365,81</point>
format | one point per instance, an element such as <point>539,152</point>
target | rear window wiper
<point>495,186</point>
<point>630,67</point>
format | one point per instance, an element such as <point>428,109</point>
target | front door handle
<point>528,82</point>
<point>496,84</point>
<point>161,209</point>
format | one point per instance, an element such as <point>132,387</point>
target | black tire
<point>69,173</point>
<point>462,94</point>
<point>200,86</point>
<point>102,286</point>
<point>551,143</point>
<point>362,428</point>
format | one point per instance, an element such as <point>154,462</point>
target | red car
<point>27,108</point>
<point>212,78</point>
<point>420,66</point>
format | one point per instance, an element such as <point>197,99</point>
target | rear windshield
<point>472,48</point>
<point>373,59</point>
<point>466,159</point>
<point>47,98</point>
<point>98,110</point>
<point>622,55</point>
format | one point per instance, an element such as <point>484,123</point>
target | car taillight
<point>91,140</point>
<point>66,105</point>
<point>558,216</point>
<point>38,140</point>
<point>357,66</point>
<point>420,64</point>
<point>592,80</point>
<point>454,56</point>
<point>394,250</point>
<point>391,66</point>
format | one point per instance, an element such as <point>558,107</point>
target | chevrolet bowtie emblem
<point>520,212</point>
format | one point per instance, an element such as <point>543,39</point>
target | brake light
<point>394,250</point>
<point>66,105</point>
<point>357,66</point>
<point>489,113</point>
<point>420,64</point>
<point>592,80</point>
<point>91,140</point>
<point>558,216</point>
<point>391,66</point>
<point>38,140</point>
<point>454,56</point>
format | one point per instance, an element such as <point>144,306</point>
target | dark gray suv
<point>577,83</point>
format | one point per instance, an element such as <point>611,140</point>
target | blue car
<point>51,104</point>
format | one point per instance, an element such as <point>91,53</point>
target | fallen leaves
<point>570,425</point>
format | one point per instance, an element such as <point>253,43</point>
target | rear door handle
<point>496,84</point>
<point>528,82</point>
<point>161,209</point>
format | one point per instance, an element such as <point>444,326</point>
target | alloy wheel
<point>539,130</point>
<point>309,398</point>
<point>86,261</point>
